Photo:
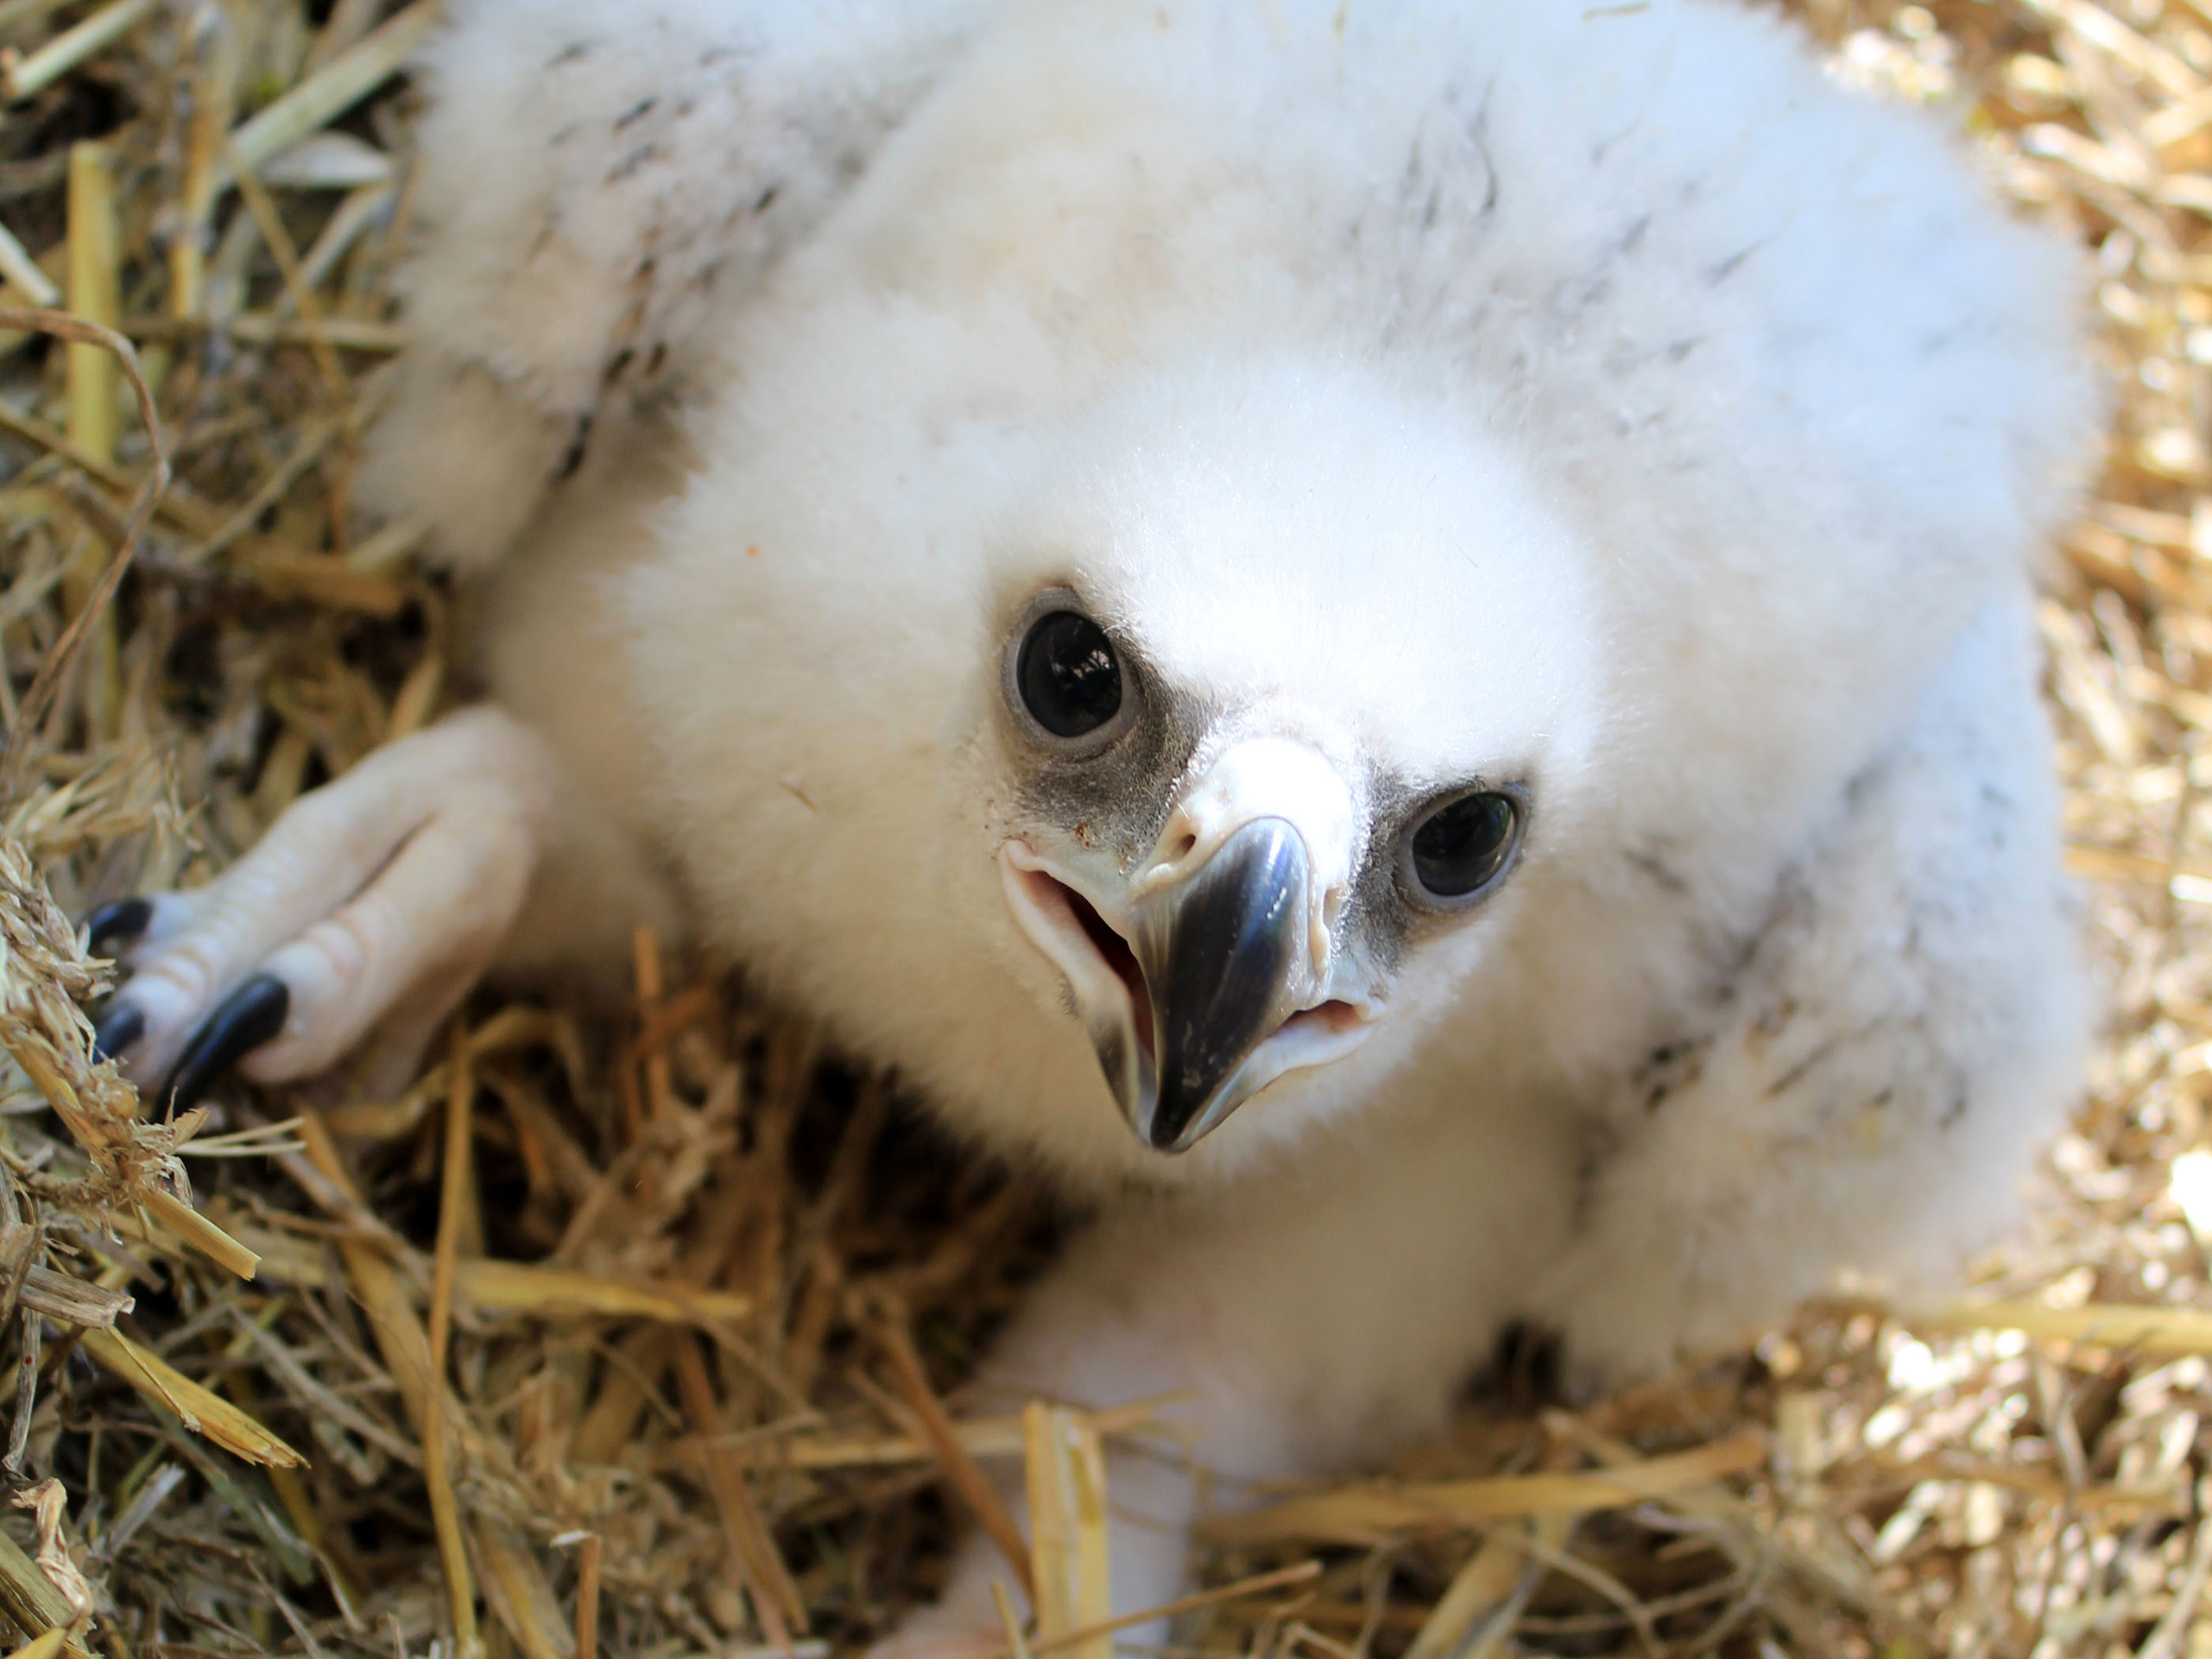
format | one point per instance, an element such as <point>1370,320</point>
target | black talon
<point>248,1017</point>
<point>120,1025</point>
<point>120,923</point>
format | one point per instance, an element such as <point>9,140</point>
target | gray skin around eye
<point>1118,799</point>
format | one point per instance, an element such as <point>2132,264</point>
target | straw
<point>732,1310</point>
<point>1065,1467</point>
<point>445,1509</point>
<point>936,1427</point>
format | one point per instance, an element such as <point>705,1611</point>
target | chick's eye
<point>1067,675</point>
<point>1460,847</point>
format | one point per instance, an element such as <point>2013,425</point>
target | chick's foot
<point>369,908</point>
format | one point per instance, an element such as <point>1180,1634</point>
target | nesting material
<point>651,1330</point>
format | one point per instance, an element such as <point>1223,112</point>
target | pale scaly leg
<point>372,903</point>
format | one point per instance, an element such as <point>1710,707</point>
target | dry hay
<point>697,1295</point>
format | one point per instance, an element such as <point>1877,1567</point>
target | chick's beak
<point>1223,957</point>
<point>1212,972</point>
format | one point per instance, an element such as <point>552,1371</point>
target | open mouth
<point>1328,1020</point>
<point>1112,992</point>
<point>1097,962</point>
<point>1113,951</point>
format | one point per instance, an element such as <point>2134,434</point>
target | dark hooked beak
<point>1212,969</point>
<point>1226,961</point>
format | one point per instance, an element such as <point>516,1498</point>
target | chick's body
<point>1591,406</point>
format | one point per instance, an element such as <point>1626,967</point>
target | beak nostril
<point>1185,843</point>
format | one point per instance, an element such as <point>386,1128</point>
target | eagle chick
<point>1394,637</point>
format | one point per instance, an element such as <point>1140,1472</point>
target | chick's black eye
<point>1069,678</point>
<point>1460,847</point>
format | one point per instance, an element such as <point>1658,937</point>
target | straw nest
<point>652,1329</point>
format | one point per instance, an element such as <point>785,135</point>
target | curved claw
<point>121,1025</point>
<point>244,1019</point>
<point>120,923</point>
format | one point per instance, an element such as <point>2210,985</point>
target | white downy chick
<point>1394,635</point>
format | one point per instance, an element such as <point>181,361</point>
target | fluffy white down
<point>601,176</point>
<point>1600,397</point>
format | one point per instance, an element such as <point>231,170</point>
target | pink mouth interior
<point>1115,950</point>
